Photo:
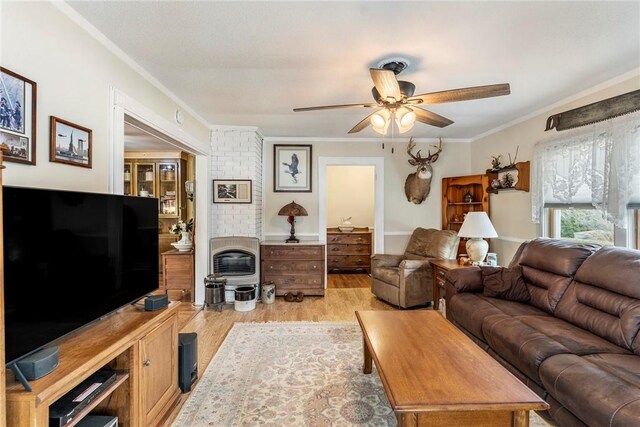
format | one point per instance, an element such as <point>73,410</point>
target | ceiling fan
<point>396,98</point>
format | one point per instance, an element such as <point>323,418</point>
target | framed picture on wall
<point>292,168</point>
<point>18,117</point>
<point>70,144</point>
<point>232,191</point>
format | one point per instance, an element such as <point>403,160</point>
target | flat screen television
<point>71,258</point>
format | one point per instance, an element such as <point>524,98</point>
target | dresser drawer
<point>336,261</point>
<point>349,238</point>
<point>284,267</point>
<point>310,284</point>
<point>348,250</point>
<point>292,252</point>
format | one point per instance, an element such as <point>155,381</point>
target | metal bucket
<point>245,298</point>
<point>214,291</point>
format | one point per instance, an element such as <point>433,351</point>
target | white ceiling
<point>250,63</point>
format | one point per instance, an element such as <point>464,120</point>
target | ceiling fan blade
<point>386,83</point>
<point>331,107</point>
<point>362,124</point>
<point>464,94</point>
<point>430,118</point>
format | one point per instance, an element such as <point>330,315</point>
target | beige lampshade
<point>293,209</point>
<point>477,224</point>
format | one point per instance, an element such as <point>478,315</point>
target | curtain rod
<point>596,112</point>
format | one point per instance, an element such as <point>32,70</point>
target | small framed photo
<point>291,168</point>
<point>70,144</point>
<point>232,191</point>
<point>18,117</point>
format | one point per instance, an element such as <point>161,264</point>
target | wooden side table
<point>439,267</point>
<point>178,271</point>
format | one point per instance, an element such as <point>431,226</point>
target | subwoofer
<point>187,360</point>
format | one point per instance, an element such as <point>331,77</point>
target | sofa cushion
<point>604,298</point>
<point>504,283</point>
<point>465,279</point>
<point>432,243</point>
<point>603,389</point>
<point>548,268</point>
<point>526,341</point>
<point>469,311</point>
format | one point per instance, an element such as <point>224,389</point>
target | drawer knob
<point>335,249</point>
<point>146,362</point>
<point>271,267</point>
<point>315,266</point>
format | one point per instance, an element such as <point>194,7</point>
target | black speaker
<point>155,302</point>
<point>39,364</point>
<point>187,360</point>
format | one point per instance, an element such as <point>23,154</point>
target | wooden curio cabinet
<point>161,175</point>
<point>462,194</point>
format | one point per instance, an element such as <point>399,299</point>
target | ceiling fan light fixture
<point>405,118</point>
<point>380,121</point>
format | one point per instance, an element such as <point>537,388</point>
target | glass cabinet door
<point>168,189</point>
<point>146,179</point>
<point>127,179</point>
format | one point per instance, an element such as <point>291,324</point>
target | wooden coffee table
<point>435,375</point>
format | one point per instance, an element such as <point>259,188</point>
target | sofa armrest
<point>384,260</point>
<point>465,279</point>
<point>414,264</point>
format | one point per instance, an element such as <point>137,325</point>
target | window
<point>581,225</point>
<point>585,183</point>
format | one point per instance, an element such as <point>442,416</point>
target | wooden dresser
<point>293,267</point>
<point>177,271</point>
<point>349,250</point>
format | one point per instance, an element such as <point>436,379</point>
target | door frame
<point>122,105</point>
<point>378,164</point>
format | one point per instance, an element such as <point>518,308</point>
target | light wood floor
<point>346,281</point>
<point>212,326</point>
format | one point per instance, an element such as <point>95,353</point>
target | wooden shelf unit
<point>143,344</point>
<point>168,173</point>
<point>524,172</point>
<point>453,204</point>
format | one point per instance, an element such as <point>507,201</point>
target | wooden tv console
<point>141,345</point>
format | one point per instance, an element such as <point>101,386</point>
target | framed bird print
<point>291,168</point>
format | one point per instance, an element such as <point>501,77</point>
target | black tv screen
<point>71,258</point>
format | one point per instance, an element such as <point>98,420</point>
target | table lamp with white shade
<point>477,226</point>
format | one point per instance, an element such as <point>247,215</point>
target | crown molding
<point>545,110</point>
<point>366,140</point>
<point>99,36</point>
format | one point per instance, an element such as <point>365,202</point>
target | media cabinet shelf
<point>125,340</point>
<point>120,378</point>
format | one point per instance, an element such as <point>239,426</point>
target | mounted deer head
<point>418,184</point>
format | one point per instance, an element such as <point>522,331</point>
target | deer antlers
<point>417,159</point>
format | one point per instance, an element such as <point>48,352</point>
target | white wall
<point>74,73</point>
<point>511,210</point>
<point>351,193</point>
<point>237,154</point>
<point>401,216</point>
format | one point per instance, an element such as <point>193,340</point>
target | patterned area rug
<point>290,374</point>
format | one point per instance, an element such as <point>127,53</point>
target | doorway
<point>156,167</point>
<point>351,217</point>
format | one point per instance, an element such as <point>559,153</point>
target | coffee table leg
<point>521,419</point>
<point>367,358</point>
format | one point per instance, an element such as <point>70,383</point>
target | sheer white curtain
<point>597,165</point>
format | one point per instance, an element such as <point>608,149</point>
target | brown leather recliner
<point>406,280</point>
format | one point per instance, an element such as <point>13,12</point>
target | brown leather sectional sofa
<point>576,342</point>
